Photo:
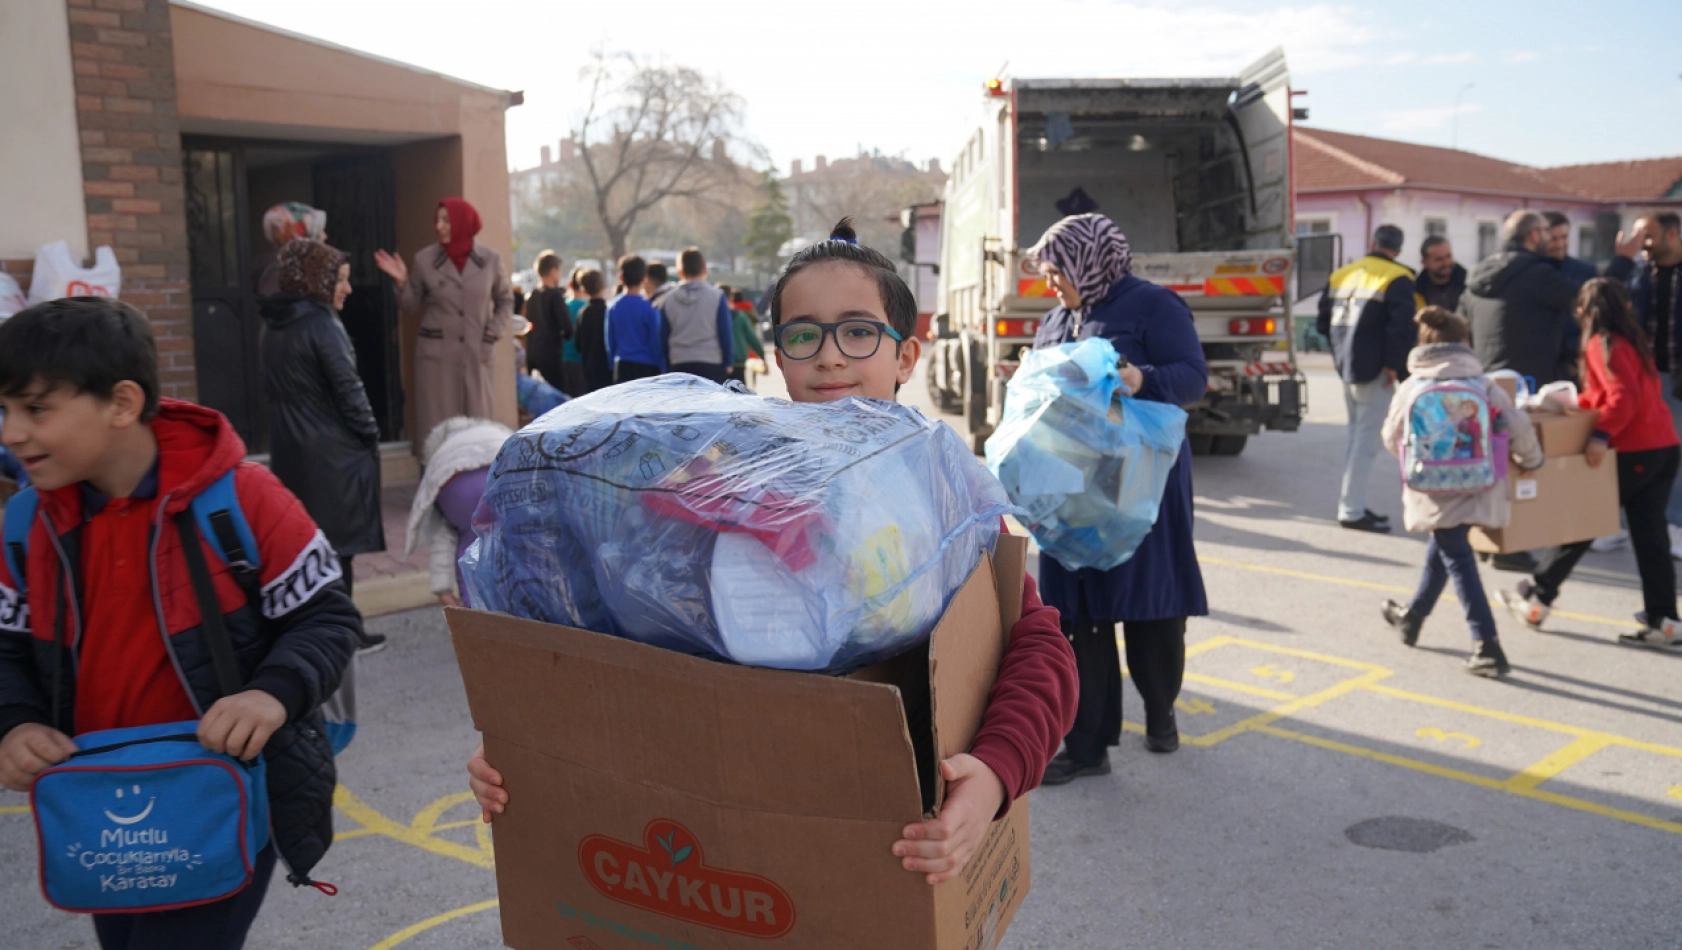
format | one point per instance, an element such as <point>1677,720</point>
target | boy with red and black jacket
<point>103,631</point>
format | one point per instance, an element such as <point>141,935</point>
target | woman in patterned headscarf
<point>324,444</point>
<point>282,223</point>
<point>1088,263</point>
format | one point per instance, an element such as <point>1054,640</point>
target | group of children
<point>1622,383</point>
<point>100,629</point>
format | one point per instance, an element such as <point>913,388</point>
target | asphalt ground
<point>1335,788</point>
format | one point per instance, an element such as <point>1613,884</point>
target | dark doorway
<point>230,183</point>
<point>358,196</point>
<point>225,325</point>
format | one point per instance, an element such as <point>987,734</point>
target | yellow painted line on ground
<point>1261,691</point>
<point>1429,768</point>
<point>1391,588</point>
<point>1608,738</point>
<point>14,810</point>
<point>431,922</point>
<point>377,823</point>
<point>1291,708</point>
<point>1551,765</point>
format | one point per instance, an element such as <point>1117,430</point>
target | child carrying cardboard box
<point>1622,381</point>
<point>845,324</point>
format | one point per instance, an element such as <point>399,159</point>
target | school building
<point>165,130</point>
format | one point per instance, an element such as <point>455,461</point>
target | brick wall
<point>123,58</point>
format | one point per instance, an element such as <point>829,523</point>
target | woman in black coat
<point>324,444</point>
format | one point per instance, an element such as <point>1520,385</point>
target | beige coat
<point>463,315</point>
<point>1491,508</point>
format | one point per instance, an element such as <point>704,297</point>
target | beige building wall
<point>40,154</point>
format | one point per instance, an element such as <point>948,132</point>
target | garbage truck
<point>1196,172</point>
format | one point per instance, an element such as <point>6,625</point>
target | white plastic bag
<point>11,297</point>
<point>1560,397</point>
<point>58,273</point>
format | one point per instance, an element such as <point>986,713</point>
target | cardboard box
<point>1564,432</point>
<point>1562,502</point>
<point>657,799</point>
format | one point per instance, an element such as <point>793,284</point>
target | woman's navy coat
<point>1152,327</point>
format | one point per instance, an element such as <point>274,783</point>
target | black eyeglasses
<point>856,339</point>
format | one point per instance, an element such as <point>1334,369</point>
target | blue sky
<point>1552,82</point>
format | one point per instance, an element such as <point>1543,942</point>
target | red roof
<point>1338,161</point>
<point>1641,180</point>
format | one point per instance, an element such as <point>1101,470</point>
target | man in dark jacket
<point>1441,279</point>
<point>1520,305</point>
<point>99,625</point>
<point>551,321</point>
<point>1558,246</point>
<point>1367,314</point>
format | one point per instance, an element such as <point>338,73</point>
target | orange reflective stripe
<point>1243,286</point>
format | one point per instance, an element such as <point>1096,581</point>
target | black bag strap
<point>233,551</point>
<point>210,610</point>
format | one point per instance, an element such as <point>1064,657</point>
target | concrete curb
<point>388,595</point>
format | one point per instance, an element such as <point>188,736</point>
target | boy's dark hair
<point>632,270</point>
<point>690,263</point>
<point>657,273</point>
<point>1437,325</point>
<point>88,343</point>
<point>725,289</point>
<point>577,274</point>
<point>897,300</point>
<point>548,261</point>
<point>736,296</point>
<point>592,282</point>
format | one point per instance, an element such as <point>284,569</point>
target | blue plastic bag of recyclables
<point>705,519</point>
<point>1088,463</point>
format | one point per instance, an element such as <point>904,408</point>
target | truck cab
<point>1196,172</point>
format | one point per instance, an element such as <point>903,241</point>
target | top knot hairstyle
<point>1437,325</point>
<point>897,301</point>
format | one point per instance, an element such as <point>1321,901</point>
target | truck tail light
<point>1006,328</point>
<point>1253,326</point>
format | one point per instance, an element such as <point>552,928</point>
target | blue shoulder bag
<point>146,819</point>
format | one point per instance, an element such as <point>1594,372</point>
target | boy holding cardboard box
<point>1622,382</point>
<point>845,327</point>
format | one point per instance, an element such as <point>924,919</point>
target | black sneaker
<point>1064,770</point>
<point>1488,660</point>
<point>1406,622</point>
<point>371,643</point>
<point>1367,523</point>
<point>1519,562</point>
<point>1383,519</point>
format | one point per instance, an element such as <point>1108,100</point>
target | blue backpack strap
<point>20,518</point>
<point>222,522</point>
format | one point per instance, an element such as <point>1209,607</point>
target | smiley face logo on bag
<point>132,819</point>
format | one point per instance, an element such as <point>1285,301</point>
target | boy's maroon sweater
<point>1032,704</point>
<point>1630,397</point>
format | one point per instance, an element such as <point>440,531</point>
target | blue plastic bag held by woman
<point>705,519</point>
<point>1088,463</point>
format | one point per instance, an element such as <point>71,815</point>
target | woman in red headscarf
<point>467,308</point>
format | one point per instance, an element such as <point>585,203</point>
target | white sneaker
<point>1676,541</point>
<point>1524,605</point>
<point>1667,636</point>
<point>1615,542</point>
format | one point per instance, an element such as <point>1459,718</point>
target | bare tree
<point>668,134</point>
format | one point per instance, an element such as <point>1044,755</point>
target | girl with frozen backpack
<point>1447,489</point>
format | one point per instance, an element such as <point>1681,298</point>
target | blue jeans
<point>1368,403</point>
<point>1449,553</point>
<point>1673,512</point>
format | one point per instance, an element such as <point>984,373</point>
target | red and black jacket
<point>292,641</point>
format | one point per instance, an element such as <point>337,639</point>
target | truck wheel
<point>1200,444</point>
<point>1228,444</point>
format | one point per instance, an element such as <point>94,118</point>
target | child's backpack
<point>1449,445</point>
<point>222,522</point>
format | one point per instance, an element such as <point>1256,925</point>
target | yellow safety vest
<point>1355,285</point>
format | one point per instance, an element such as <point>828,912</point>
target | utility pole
<point>1455,142</point>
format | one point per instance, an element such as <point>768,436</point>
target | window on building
<point>1436,227</point>
<point>1314,226</point>
<point>1486,239</point>
<point>1587,248</point>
